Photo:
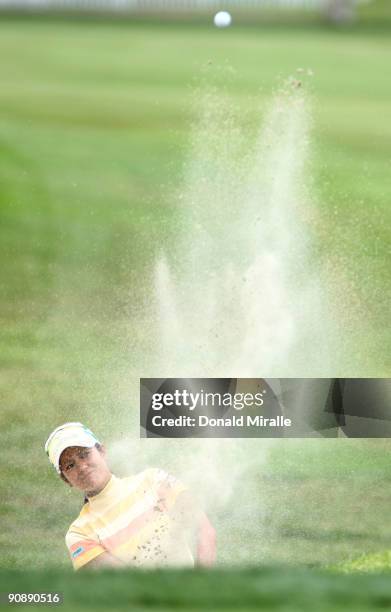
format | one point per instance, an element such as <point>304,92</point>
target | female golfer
<point>145,520</point>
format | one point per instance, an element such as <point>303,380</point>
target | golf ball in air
<point>222,19</point>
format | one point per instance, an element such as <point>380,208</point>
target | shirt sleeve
<point>81,548</point>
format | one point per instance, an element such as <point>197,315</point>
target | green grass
<point>95,120</point>
<point>261,589</point>
<point>376,562</point>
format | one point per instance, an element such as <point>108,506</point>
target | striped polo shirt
<point>130,518</point>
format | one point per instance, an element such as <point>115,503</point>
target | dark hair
<point>64,478</point>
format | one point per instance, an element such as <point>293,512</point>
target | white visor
<point>69,434</point>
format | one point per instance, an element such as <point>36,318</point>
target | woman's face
<point>85,468</point>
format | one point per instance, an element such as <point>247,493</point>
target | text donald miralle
<point>201,410</point>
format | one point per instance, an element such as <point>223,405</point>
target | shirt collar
<point>105,492</point>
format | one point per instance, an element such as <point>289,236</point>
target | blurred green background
<point>95,116</point>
